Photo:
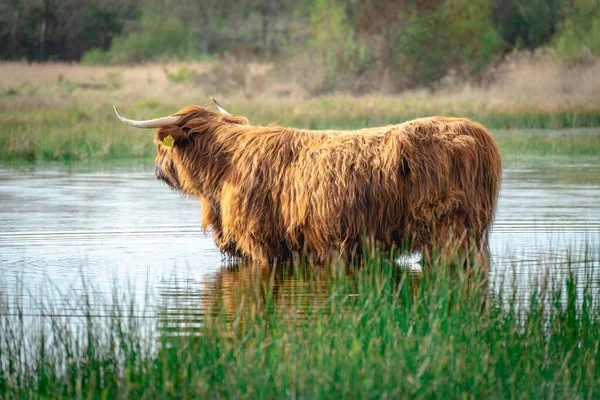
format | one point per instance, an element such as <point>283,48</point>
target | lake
<point>115,230</point>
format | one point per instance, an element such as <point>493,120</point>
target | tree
<point>527,24</point>
<point>579,34</point>
<point>59,29</point>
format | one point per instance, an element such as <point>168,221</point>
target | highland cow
<point>428,185</point>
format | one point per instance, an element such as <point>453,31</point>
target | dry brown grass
<point>17,73</point>
<point>523,83</point>
<point>538,81</point>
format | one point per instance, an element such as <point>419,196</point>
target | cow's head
<point>177,141</point>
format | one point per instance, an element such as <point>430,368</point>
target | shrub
<point>180,75</point>
<point>156,38</point>
<point>527,24</point>
<point>579,34</point>
<point>95,57</point>
<point>457,36</point>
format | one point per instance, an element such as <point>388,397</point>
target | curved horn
<point>150,123</point>
<point>219,107</point>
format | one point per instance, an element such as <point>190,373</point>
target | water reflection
<point>297,293</point>
<point>243,287</point>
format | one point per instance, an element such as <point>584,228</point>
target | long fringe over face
<point>271,192</point>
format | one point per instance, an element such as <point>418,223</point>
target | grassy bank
<point>368,332</point>
<point>63,112</point>
<point>93,133</point>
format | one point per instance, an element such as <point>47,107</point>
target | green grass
<point>68,133</point>
<point>370,331</point>
<point>581,144</point>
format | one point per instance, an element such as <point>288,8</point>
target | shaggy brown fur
<point>271,192</point>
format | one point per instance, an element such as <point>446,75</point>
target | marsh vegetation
<point>62,112</point>
<point>110,289</point>
<point>367,331</point>
<point>73,204</point>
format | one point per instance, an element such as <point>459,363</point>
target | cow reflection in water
<point>240,289</point>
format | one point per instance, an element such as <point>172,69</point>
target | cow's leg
<point>455,248</point>
<point>482,265</point>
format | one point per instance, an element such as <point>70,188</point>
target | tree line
<point>411,42</point>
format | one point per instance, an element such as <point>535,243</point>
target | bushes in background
<point>325,45</point>
<point>579,33</point>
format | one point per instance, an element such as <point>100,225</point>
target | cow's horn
<point>219,107</point>
<point>150,123</point>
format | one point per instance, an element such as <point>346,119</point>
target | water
<point>548,214</point>
<point>118,230</point>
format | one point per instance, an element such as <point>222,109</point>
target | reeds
<point>368,331</point>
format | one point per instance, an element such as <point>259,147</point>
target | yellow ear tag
<point>168,141</point>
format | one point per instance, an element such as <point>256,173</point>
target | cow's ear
<point>169,137</point>
<point>168,141</point>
